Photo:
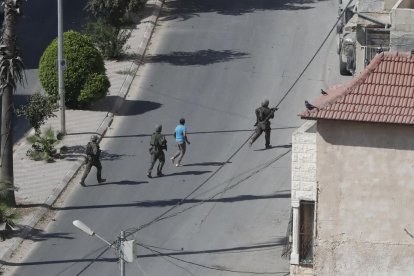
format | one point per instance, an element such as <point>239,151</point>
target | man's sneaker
<point>82,183</point>
<point>268,146</point>
<point>172,160</point>
<point>178,165</point>
<point>160,174</point>
<point>149,174</point>
<point>102,180</point>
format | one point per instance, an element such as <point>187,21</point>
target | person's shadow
<point>122,182</point>
<point>187,173</point>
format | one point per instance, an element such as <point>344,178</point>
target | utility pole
<point>61,67</point>
<point>122,255</point>
<point>124,248</point>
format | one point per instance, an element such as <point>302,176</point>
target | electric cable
<point>159,217</point>
<point>227,188</point>
<point>313,57</point>
<point>217,268</point>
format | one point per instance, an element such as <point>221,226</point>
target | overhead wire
<point>159,217</point>
<point>217,268</point>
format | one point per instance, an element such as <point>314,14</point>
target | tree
<point>85,66</point>
<point>11,72</point>
<point>108,31</point>
<point>38,110</point>
<point>110,40</point>
<point>7,215</point>
<point>112,11</point>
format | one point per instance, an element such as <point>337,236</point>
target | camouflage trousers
<point>160,156</point>
<point>97,164</point>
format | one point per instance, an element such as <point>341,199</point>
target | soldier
<point>158,144</point>
<point>93,153</point>
<point>263,115</point>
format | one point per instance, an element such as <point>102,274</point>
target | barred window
<point>306,223</point>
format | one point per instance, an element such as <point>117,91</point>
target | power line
<point>217,268</point>
<point>160,217</point>
<point>313,57</point>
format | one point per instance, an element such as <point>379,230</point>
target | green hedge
<point>85,79</point>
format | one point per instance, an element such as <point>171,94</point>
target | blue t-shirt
<point>179,133</point>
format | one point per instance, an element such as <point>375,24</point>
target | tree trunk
<point>6,161</point>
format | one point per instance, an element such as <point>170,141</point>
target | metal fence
<point>371,51</point>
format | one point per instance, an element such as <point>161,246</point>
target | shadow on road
<point>187,173</point>
<point>37,26</point>
<point>201,57</point>
<point>238,249</point>
<point>122,182</point>
<point>196,132</point>
<point>288,146</point>
<point>187,9</point>
<point>127,108</point>
<point>206,164</point>
<point>35,234</point>
<point>175,201</point>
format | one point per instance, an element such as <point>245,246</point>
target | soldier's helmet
<point>158,128</point>
<point>265,103</point>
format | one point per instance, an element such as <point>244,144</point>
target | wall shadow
<point>201,57</point>
<point>186,9</point>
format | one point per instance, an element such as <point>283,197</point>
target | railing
<point>371,51</point>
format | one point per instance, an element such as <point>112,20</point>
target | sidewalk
<point>40,183</point>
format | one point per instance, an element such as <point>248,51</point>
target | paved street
<point>212,63</point>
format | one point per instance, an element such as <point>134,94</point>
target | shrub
<point>83,60</point>
<point>7,214</point>
<point>95,88</point>
<point>37,110</point>
<point>43,146</point>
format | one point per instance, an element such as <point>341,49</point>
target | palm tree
<point>7,215</point>
<point>11,73</point>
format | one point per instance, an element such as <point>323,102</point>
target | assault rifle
<point>272,110</point>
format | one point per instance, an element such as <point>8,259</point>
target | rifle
<point>272,110</point>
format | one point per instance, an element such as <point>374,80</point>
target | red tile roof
<point>382,93</point>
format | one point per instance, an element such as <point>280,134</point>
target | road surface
<point>226,211</point>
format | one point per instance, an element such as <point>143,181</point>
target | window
<point>306,223</point>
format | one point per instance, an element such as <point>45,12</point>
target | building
<point>353,175</point>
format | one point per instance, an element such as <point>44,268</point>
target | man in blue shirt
<point>180,135</point>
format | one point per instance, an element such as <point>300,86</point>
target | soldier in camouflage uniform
<point>263,115</point>
<point>158,143</point>
<point>93,153</point>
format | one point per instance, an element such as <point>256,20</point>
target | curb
<point>149,30</point>
<point>103,127</point>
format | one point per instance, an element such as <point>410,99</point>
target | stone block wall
<point>304,162</point>
<point>402,27</point>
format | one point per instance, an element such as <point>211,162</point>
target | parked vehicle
<point>346,38</point>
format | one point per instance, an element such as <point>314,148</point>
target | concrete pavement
<point>40,183</point>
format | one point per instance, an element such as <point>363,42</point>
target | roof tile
<point>383,92</point>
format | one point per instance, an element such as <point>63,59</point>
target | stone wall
<point>304,162</point>
<point>365,203</point>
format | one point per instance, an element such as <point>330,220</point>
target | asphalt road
<point>211,62</point>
